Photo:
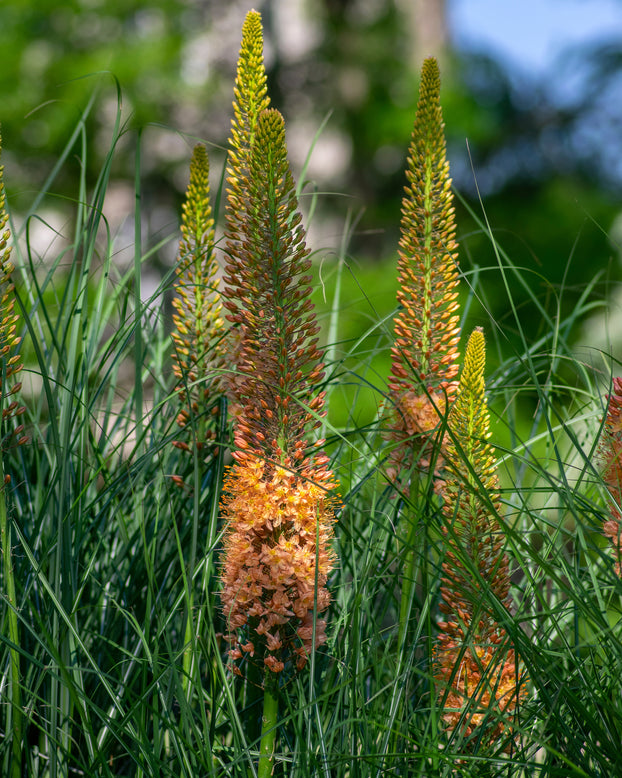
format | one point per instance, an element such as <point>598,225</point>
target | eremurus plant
<point>10,366</point>
<point>279,485</point>
<point>277,505</point>
<point>611,457</point>
<point>478,674</point>
<point>424,355</point>
<point>425,350</point>
<point>198,325</point>
<point>197,338</point>
<point>439,431</point>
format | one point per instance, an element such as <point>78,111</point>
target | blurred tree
<point>428,30</point>
<point>53,52</point>
<point>548,168</point>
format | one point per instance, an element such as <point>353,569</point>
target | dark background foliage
<point>547,169</point>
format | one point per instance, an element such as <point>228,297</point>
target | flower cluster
<point>483,689</point>
<point>611,457</point>
<point>425,352</point>
<point>277,561</point>
<point>480,680</point>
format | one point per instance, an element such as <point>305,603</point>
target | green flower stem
<point>410,548</point>
<point>187,679</point>
<point>268,728</point>
<point>9,580</point>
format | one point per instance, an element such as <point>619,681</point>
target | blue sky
<point>544,48</point>
<point>530,34</point>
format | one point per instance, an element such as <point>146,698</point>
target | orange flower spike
<point>277,361</point>
<point>9,341</point>
<point>198,325</point>
<point>610,452</point>
<point>427,327</point>
<point>425,351</point>
<point>277,500</point>
<point>489,673</point>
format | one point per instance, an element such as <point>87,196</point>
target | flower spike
<point>268,298</point>
<point>477,672</point>
<point>277,502</point>
<point>251,98</point>
<point>10,366</point>
<point>425,352</point>
<point>250,90</point>
<point>10,359</point>
<point>198,326</point>
<point>611,457</point>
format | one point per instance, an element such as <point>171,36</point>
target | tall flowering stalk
<point>197,338</point>
<point>10,366</point>
<point>425,352</point>
<point>424,355</point>
<point>198,324</point>
<point>479,677</point>
<point>277,555</point>
<point>251,97</point>
<point>611,457</point>
<point>277,505</point>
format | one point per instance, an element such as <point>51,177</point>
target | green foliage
<point>110,611</point>
<point>51,48</point>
